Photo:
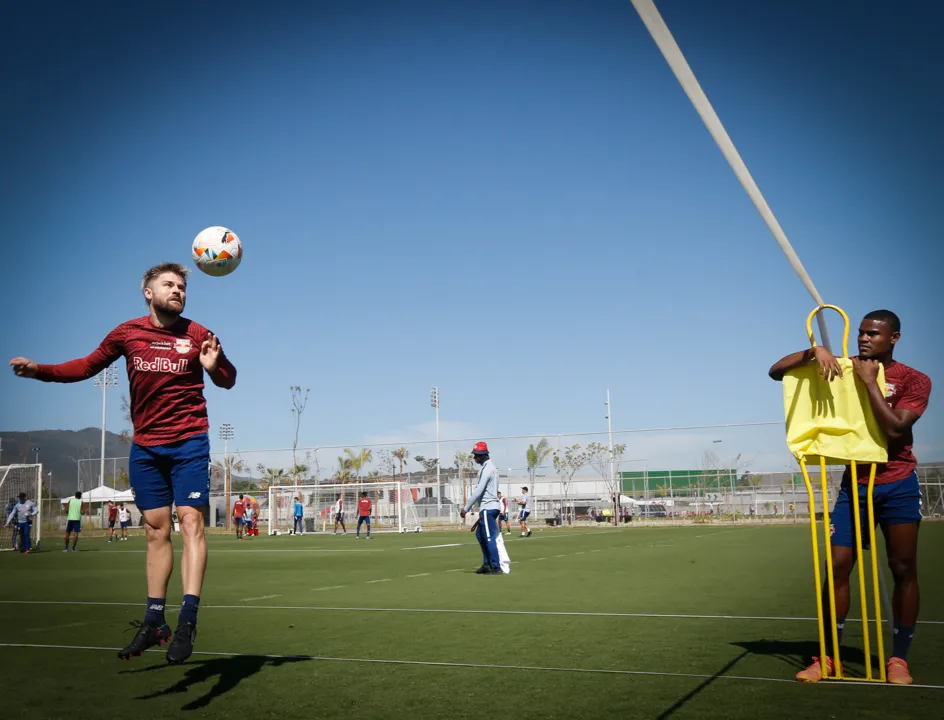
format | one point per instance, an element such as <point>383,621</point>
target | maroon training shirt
<point>164,374</point>
<point>905,389</point>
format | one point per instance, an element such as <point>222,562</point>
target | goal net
<point>16,479</point>
<point>392,507</point>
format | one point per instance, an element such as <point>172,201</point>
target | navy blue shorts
<point>73,526</point>
<point>124,524</point>
<point>895,503</point>
<point>503,517</point>
<point>111,523</point>
<point>177,473</point>
<point>524,515</point>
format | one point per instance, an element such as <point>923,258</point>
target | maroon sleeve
<point>225,374</point>
<point>917,394</point>
<point>111,349</point>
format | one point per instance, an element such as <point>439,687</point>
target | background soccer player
<point>112,518</point>
<point>23,513</point>
<point>364,507</point>
<point>503,514</point>
<point>74,520</point>
<point>897,497</point>
<point>524,502</point>
<point>166,357</point>
<point>299,514</point>
<point>239,514</point>
<point>339,515</point>
<point>124,519</point>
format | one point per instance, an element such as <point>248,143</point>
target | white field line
<point>330,587</point>
<point>261,597</point>
<point>485,666</point>
<point>454,611</point>
<point>432,547</point>
<point>419,575</point>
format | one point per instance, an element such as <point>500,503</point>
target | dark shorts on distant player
<point>73,526</point>
<point>339,517</point>
<point>124,524</point>
<point>894,503</point>
<point>111,523</point>
<point>524,515</point>
<point>503,517</point>
<point>173,474</point>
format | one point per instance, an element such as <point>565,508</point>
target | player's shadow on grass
<point>229,671</point>
<point>798,654</point>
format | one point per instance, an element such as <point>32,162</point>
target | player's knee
<point>903,568</point>
<point>156,531</point>
<point>191,525</point>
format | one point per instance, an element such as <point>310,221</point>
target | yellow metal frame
<point>827,546</point>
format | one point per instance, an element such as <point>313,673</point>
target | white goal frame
<point>15,479</point>
<point>392,503</point>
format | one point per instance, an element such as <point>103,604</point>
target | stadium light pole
<point>226,434</point>
<point>36,450</point>
<point>434,403</point>
<point>105,379</point>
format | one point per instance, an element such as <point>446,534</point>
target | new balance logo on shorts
<point>193,496</point>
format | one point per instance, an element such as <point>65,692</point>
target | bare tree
<point>299,401</point>
<point>601,458</point>
<point>566,464</point>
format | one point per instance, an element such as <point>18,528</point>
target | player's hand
<point>866,370</point>
<point>24,367</point>
<point>462,513</point>
<point>828,365</point>
<point>210,352</point>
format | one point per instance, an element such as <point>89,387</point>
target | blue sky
<point>511,200</point>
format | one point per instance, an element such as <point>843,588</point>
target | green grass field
<point>687,622</point>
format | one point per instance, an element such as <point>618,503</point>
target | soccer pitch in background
<point>707,621</point>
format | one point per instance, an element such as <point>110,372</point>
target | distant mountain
<point>59,451</point>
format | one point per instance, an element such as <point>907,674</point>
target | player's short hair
<point>78,495</point>
<point>22,497</point>
<point>364,494</point>
<point>524,488</point>
<point>181,271</point>
<point>887,317</point>
<point>240,496</point>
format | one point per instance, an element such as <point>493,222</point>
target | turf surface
<point>686,622</point>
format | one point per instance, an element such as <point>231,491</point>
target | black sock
<point>840,626</point>
<point>154,614</point>
<point>902,641</point>
<point>188,611</point>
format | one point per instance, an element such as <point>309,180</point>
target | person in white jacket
<point>486,495</point>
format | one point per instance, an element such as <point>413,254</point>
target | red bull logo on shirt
<point>182,345</point>
<point>161,364</point>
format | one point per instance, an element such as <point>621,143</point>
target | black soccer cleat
<point>181,647</point>
<point>484,570</point>
<point>495,571</point>
<point>146,637</point>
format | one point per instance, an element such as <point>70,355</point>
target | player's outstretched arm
<point>828,366</point>
<point>104,355</point>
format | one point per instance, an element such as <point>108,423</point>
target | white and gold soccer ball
<point>217,251</point>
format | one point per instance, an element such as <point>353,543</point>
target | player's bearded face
<point>168,294</point>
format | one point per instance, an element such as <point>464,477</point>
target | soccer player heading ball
<point>166,357</point>
<point>897,497</point>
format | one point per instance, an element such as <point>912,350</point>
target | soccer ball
<point>217,251</point>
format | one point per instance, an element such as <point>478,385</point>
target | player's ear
<point>896,336</point>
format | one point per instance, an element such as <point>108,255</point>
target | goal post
<point>392,509</point>
<point>16,479</point>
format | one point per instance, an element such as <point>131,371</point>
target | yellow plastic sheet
<point>832,419</point>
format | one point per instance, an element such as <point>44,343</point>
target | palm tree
<point>536,456</point>
<point>359,459</point>
<point>401,454</point>
<point>343,473</point>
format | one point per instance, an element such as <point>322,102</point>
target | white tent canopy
<point>103,494</point>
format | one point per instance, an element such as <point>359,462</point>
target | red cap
<point>480,448</point>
